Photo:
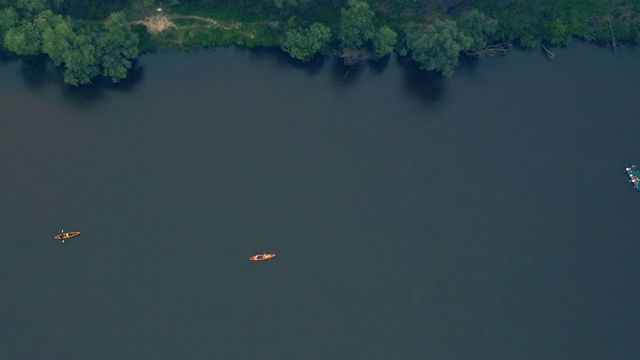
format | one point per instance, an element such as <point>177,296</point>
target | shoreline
<point>433,36</point>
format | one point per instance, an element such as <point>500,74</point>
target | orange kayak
<point>67,235</point>
<point>262,257</point>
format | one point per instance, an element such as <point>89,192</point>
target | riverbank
<point>520,23</point>
<point>523,24</point>
<point>433,33</point>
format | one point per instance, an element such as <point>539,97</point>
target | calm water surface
<point>485,216</point>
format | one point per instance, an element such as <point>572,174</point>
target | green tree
<point>356,24</point>
<point>69,47</point>
<point>118,45</point>
<point>438,47</point>
<point>141,4</point>
<point>57,35</point>
<point>303,44</point>
<point>37,6</point>
<point>517,23</point>
<point>47,19</point>
<point>293,3</point>
<point>81,64</point>
<point>558,33</point>
<point>24,39</point>
<point>8,19</point>
<point>478,27</point>
<point>383,41</point>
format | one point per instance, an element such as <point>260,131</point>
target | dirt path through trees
<point>161,22</point>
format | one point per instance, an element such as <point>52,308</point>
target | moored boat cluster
<point>634,175</point>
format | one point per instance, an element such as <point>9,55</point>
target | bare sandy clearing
<point>157,23</point>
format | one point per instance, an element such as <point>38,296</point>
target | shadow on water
<point>346,74</point>
<point>426,85</point>
<point>6,58</point>
<point>38,71</point>
<point>467,64</point>
<point>133,79</point>
<point>87,94</point>
<point>379,66</point>
<point>283,59</point>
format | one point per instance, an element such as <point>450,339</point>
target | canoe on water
<point>66,235</point>
<point>262,257</point>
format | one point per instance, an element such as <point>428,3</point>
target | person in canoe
<point>262,256</point>
<point>66,235</point>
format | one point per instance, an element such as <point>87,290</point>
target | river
<point>482,216</point>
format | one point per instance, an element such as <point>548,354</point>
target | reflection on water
<point>348,74</point>
<point>378,67</point>
<point>284,59</point>
<point>38,71</point>
<point>427,85</point>
<point>468,63</point>
<point>135,77</point>
<point>90,93</point>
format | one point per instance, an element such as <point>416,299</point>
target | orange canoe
<point>67,235</point>
<point>262,257</point>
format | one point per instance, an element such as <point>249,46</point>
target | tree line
<point>84,49</point>
<point>434,32</point>
<point>435,47</point>
<point>92,37</point>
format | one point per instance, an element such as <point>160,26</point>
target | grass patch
<point>250,35</point>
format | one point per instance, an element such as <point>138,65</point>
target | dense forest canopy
<point>90,38</point>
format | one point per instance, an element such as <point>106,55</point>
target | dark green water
<point>484,216</point>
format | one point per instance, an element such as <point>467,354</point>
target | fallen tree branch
<point>550,55</point>
<point>354,56</point>
<point>613,41</point>
<point>491,50</point>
